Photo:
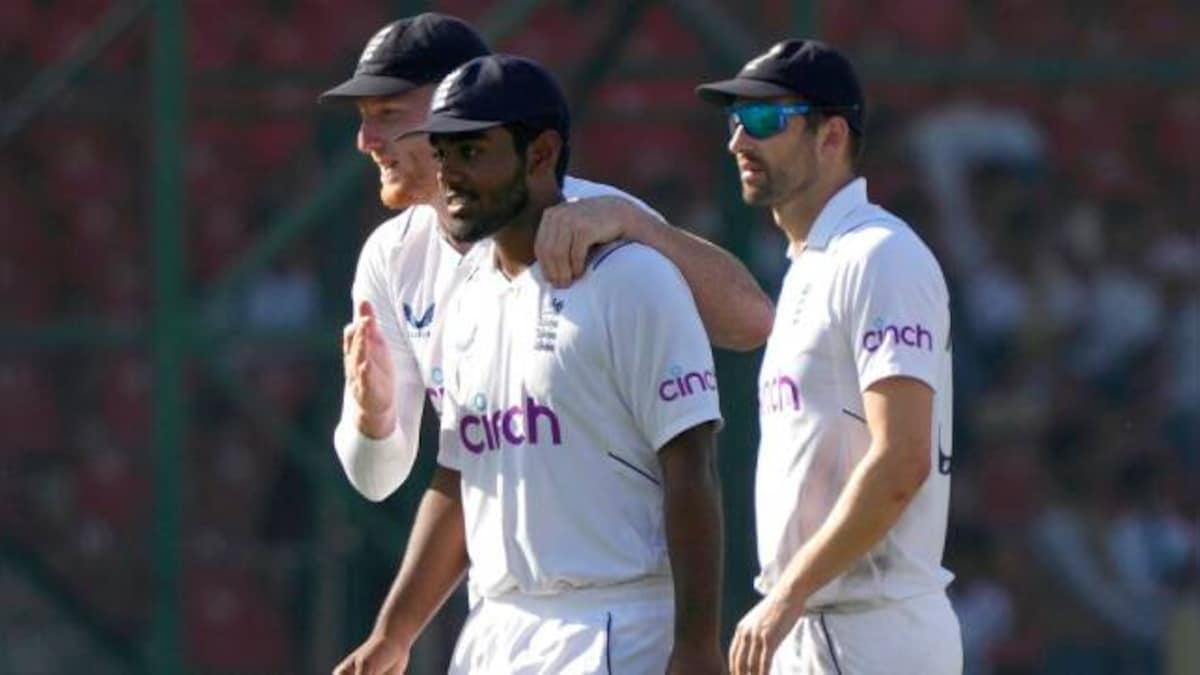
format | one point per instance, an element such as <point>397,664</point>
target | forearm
<point>875,496</point>
<point>694,529</point>
<point>737,314</point>
<point>434,561</point>
<point>377,466</point>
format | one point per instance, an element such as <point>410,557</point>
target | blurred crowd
<point>1059,203</point>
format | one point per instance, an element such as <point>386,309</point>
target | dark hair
<point>524,132</point>
<point>816,116</point>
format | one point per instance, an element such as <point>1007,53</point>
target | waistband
<point>868,605</point>
<point>645,589</point>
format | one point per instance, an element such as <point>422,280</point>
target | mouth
<point>751,171</point>
<point>458,201</point>
<point>388,170</point>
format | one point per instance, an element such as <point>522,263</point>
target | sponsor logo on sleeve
<point>681,384</point>
<point>899,335</point>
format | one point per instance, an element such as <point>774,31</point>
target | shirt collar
<point>832,220</point>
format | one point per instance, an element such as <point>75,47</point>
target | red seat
<point>1084,122</point>
<point>91,161</point>
<point>273,143</point>
<point>99,235</point>
<point>554,36</point>
<point>660,149</point>
<point>660,35</point>
<point>126,398</point>
<point>1017,26</point>
<point>30,415</point>
<point>231,624</point>
<point>631,97</point>
<point>930,26</point>
<point>17,19</point>
<point>339,28</point>
<point>61,26</point>
<point>468,10</point>
<point>1160,27</point>
<point>1178,128</point>
<point>217,167</point>
<point>222,32</point>
<point>219,235</point>
<point>843,22</point>
<point>113,485</point>
<point>29,270</point>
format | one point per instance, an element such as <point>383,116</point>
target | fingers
<point>364,309</point>
<point>748,655</point>
<point>760,657</point>
<point>552,248</point>
<point>735,653</point>
<point>579,253</point>
<point>346,667</point>
<point>347,337</point>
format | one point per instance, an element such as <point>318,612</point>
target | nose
<point>739,140</point>
<point>448,176</point>
<point>369,138</point>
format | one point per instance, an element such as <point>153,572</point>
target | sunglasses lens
<point>759,121</point>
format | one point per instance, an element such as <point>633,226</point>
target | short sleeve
<point>577,188</point>
<point>895,307</point>
<point>660,355</point>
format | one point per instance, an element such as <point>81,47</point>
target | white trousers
<point>627,630</point>
<point>917,636</point>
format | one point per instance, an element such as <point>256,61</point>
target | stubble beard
<point>513,199</point>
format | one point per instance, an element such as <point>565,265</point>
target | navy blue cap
<point>493,90</point>
<point>409,53</point>
<point>812,70</point>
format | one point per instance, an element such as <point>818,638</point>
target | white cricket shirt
<point>405,270</point>
<point>555,405</point>
<point>865,300</point>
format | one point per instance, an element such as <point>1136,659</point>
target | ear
<point>542,153</point>
<point>834,137</point>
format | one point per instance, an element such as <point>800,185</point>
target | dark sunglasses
<point>764,120</point>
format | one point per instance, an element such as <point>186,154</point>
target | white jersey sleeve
<point>896,308</point>
<point>376,467</point>
<point>575,189</point>
<point>661,360</point>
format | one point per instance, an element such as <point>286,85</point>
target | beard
<point>782,184</point>
<point>414,184</point>
<point>490,213</point>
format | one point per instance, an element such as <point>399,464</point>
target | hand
<point>379,655</point>
<point>570,229</point>
<point>370,373</point>
<point>686,659</point>
<point>758,635</point>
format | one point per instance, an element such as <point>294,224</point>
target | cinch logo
<point>515,426</point>
<point>678,385</point>
<point>778,393</point>
<point>909,336</point>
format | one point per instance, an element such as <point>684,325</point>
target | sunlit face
<point>407,174</point>
<point>483,180</point>
<point>777,169</point>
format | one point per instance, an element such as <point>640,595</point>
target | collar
<point>833,220</point>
